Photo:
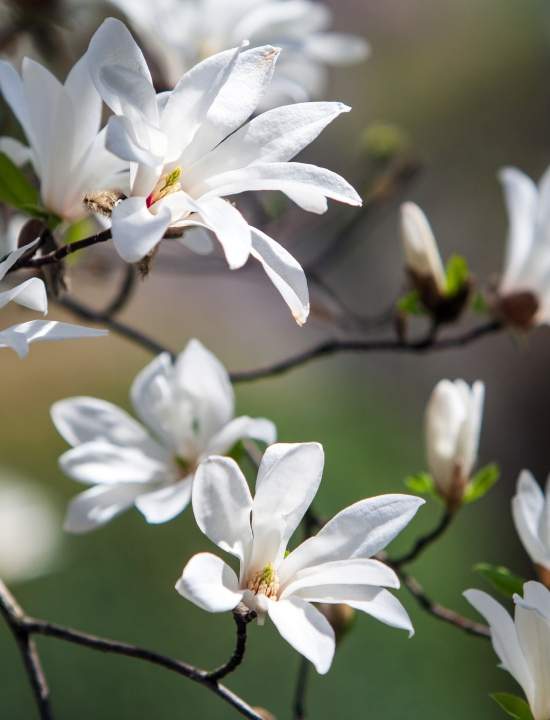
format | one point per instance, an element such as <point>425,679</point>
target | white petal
<point>387,609</point>
<point>18,337</point>
<point>86,102</point>
<point>420,246</point>
<point>306,629</point>
<point>468,440</point>
<point>9,261</point>
<point>146,147</point>
<point>222,504</point>
<point>527,511</point>
<point>288,479</point>
<point>239,429</point>
<point>150,392</point>
<point>30,294</point>
<point>229,226</point>
<point>504,637</point>
<point>359,531</point>
<point>167,503</point>
<point>209,583</point>
<point>18,153</point>
<point>136,231</point>
<point>12,89</point>
<point>98,505</point>
<point>336,48</point>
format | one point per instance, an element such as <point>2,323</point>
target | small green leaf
<point>513,706</point>
<point>500,578</point>
<point>479,304</point>
<point>410,304</point>
<point>15,190</point>
<point>421,484</point>
<point>481,483</point>
<point>457,274</point>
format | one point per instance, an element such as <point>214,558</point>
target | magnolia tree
<point>219,101</point>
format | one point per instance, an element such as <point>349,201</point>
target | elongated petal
<point>284,271</point>
<point>359,531</point>
<point>136,231</point>
<point>122,140</point>
<point>229,226</point>
<point>222,504</point>
<point>18,337</point>
<point>527,511</point>
<point>99,462</point>
<point>209,583</point>
<point>288,479</point>
<point>504,637</point>
<point>339,49</point>
<point>306,629</point>
<point>420,246</point>
<point>386,608</point>
<point>167,503</point>
<point>9,261</point>
<point>18,153</point>
<point>468,439</point>
<point>86,102</point>
<point>242,428</point>
<point>99,505</point>
<point>30,294</point>
<point>12,89</point>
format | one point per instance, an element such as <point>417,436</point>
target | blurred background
<point>467,83</point>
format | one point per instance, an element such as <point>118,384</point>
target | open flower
<point>523,644</point>
<point>192,147</point>
<point>182,34</point>
<point>531,512</point>
<point>523,295</point>
<point>335,566</point>
<point>62,125</point>
<point>31,294</point>
<point>187,412</point>
<point>452,427</point>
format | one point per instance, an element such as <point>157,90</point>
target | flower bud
<point>103,202</point>
<point>340,616</point>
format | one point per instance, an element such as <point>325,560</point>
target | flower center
<point>265,582</point>
<point>168,184</point>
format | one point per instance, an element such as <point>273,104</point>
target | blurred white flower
<point>421,252</point>
<point>523,644</point>
<point>524,290</point>
<point>62,125</point>
<point>30,529</point>
<point>187,410</point>
<point>452,426</point>
<point>32,294</point>
<point>180,34</point>
<point>192,147</point>
<point>335,566</point>
<point>531,512</point>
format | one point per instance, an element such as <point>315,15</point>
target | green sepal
<point>410,304</point>
<point>457,275</point>
<point>421,484</point>
<point>505,582</point>
<point>513,706</point>
<point>481,483</point>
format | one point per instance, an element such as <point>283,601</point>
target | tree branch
<point>423,542</point>
<point>301,689</point>
<point>242,616</point>
<point>61,253</point>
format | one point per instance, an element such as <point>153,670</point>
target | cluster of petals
<point>186,410</point>
<point>334,566</point>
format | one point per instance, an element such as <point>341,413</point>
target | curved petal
<point>527,511</point>
<point>19,337</point>
<point>209,583</point>
<point>306,629</point>
<point>288,479</point>
<point>98,505</point>
<point>18,153</point>
<point>222,505</point>
<point>150,392</point>
<point>146,147</point>
<point>136,231</point>
<point>30,294</point>
<point>167,503</point>
<point>420,246</point>
<point>12,257</point>
<point>86,102</point>
<point>387,609</point>
<point>242,428</point>
<point>12,89</point>
<point>359,531</point>
<point>229,226</point>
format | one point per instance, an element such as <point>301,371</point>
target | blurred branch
<point>301,689</point>
<point>24,627</point>
<point>423,542</point>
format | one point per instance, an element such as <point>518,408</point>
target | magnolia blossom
<point>187,411</point>
<point>522,644</point>
<point>30,534</point>
<point>452,427</point>
<point>192,147</point>
<point>524,290</point>
<point>181,34</point>
<point>335,566</point>
<point>531,512</point>
<point>62,125</point>
<point>31,294</point>
<point>421,252</point>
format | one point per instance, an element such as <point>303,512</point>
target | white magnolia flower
<point>32,294</point>
<point>187,410</point>
<point>62,125</point>
<point>335,566</point>
<point>452,426</point>
<point>192,147</point>
<point>30,534</point>
<point>524,290</point>
<point>180,34</point>
<point>421,252</point>
<point>531,512</point>
<point>523,644</point>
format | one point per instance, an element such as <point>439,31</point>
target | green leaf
<point>479,304</point>
<point>15,190</point>
<point>457,274</point>
<point>513,706</point>
<point>421,484</point>
<point>410,304</point>
<point>481,483</point>
<point>500,578</point>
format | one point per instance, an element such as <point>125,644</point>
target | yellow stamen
<point>265,582</point>
<point>168,184</point>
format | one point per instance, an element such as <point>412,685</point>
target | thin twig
<point>301,689</point>
<point>242,616</point>
<point>61,253</point>
<point>124,294</point>
<point>423,542</point>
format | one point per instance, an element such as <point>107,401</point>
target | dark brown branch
<point>24,627</point>
<point>124,294</point>
<point>423,542</point>
<point>331,347</point>
<point>441,612</point>
<point>242,616</point>
<point>301,689</point>
<point>61,253</point>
